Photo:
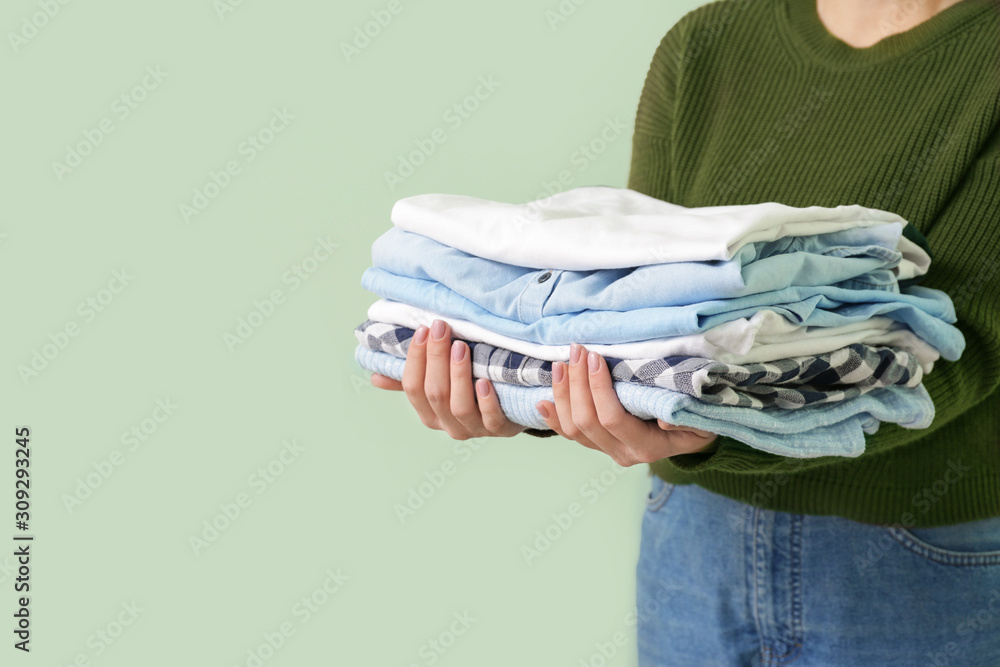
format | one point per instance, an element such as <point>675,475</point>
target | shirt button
<point>545,276</point>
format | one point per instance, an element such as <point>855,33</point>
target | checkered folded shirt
<point>784,383</point>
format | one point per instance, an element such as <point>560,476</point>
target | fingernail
<point>421,335</point>
<point>593,362</point>
<point>437,330</point>
<point>457,351</point>
<point>542,410</point>
<point>574,353</point>
<point>557,372</point>
<point>483,387</point>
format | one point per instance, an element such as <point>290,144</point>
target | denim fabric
<point>830,429</point>
<point>766,336</point>
<point>789,384</point>
<point>723,583</point>
<point>603,227</point>
<point>525,294</point>
<point>927,312</point>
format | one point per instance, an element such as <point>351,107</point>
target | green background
<point>163,335</point>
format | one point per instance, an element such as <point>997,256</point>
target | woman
<point>747,558</point>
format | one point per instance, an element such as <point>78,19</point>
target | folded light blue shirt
<point>929,313</point>
<point>525,294</point>
<point>829,429</point>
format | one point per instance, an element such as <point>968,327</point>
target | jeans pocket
<point>974,543</point>
<point>659,492</point>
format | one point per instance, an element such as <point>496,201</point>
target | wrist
<point>710,447</point>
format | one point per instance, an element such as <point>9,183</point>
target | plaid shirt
<point>785,383</point>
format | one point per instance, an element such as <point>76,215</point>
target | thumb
<point>384,382</point>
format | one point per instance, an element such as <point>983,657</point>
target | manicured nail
<point>457,351</point>
<point>593,362</point>
<point>421,335</point>
<point>557,372</point>
<point>574,353</point>
<point>483,387</point>
<point>437,330</point>
<point>542,410</point>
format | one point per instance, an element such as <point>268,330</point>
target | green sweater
<point>750,101</point>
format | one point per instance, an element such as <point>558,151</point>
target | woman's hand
<point>439,386</point>
<point>588,411</point>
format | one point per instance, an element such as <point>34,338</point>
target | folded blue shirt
<point>828,429</point>
<point>927,312</point>
<point>525,294</point>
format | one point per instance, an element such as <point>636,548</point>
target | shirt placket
<point>536,292</point>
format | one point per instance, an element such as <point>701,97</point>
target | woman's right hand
<point>440,387</point>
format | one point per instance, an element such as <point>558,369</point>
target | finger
<point>386,382</point>
<point>547,410</point>
<point>673,427</point>
<point>463,396</point>
<point>437,380</point>
<point>563,404</point>
<point>494,419</point>
<point>560,393</point>
<point>582,404</point>
<point>687,440</point>
<point>413,378</point>
<point>623,426</point>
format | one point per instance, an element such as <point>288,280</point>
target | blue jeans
<point>724,584</point>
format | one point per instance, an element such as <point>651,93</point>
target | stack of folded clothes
<point>793,330</point>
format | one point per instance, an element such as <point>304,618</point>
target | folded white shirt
<point>766,336</point>
<point>603,227</point>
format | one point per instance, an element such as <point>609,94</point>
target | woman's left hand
<point>588,411</point>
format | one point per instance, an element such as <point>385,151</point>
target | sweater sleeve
<point>965,236</point>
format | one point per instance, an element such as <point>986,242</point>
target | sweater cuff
<point>733,456</point>
<point>700,461</point>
